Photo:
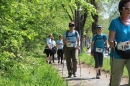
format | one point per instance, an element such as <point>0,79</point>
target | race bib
<point>69,44</point>
<point>53,45</point>
<point>123,46</point>
<point>49,46</point>
<point>60,45</point>
<point>99,50</point>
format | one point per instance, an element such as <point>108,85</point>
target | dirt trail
<point>85,76</point>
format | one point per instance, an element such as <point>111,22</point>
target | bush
<point>31,72</point>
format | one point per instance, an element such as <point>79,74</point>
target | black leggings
<point>60,54</point>
<point>98,57</point>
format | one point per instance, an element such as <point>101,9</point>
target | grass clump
<point>31,71</point>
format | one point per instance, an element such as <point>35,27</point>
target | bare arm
<point>47,44</point>
<point>111,39</point>
<point>64,41</point>
<point>106,43</point>
<point>78,41</point>
<point>92,44</point>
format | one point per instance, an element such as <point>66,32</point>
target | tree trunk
<point>94,24</point>
<point>95,18</point>
<point>80,22</point>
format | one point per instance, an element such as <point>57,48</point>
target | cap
<point>99,26</point>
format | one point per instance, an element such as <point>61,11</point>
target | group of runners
<point>54,47</point>
<point>118,39</point>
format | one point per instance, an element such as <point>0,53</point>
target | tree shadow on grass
<point>124,85</point>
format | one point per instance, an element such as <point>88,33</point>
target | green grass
<point>89,60</point>
<point>31,71</point>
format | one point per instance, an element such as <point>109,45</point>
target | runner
<point>60,49</point>
<point>97,49</point>
<point>48,47</point>
<point>53,50</point>
<point>72,45</point>
<point>119,37</point>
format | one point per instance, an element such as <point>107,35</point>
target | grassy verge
<point>30,71</point>
<point>89,60</point>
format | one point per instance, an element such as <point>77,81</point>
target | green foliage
<point>24,25</point>
<point>87,59</point>
<point>30,72</point>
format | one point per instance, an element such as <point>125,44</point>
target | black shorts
<point>60,53</point>
<point>98,57</point>
<point>48,52</point>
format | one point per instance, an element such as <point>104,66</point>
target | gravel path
<point>85,76</point>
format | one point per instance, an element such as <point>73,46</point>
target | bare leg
<point>50,58</point>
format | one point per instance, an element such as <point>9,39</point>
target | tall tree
<point>94,16</point>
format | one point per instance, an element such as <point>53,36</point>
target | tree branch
<point>67,12</point>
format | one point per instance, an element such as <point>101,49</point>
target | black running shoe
<point>69,74</point>
<point>97,76</point>
<point>74,74</point>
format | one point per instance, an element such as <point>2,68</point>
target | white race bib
<point>69,44</point>
<point>53,45</point>
<point>99,50</point>
<point>50,46</point>
<point>123,46</point>
<point>60,46</point>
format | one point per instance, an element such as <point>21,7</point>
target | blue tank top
<point>99,41</point>
<point>72,37</point>
<point>60,44</point>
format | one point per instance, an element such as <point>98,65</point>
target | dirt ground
<point>85,76</point>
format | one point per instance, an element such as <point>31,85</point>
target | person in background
<point>119,37</point>
<point>60,48</point>
<point>53,50</point>
<point>97,49</point>
<point>71,41</point>
<point>48,47</point>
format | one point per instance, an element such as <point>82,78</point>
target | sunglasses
<point>98,29</point>
<point>126,8</point>
<point>71,25</point>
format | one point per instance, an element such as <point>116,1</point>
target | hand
<point>113,44</point>
<point>107,49</point>
<point>78,47</point>
<point>65,42</point>
<point>92,53</point>
<point>49,48</point>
